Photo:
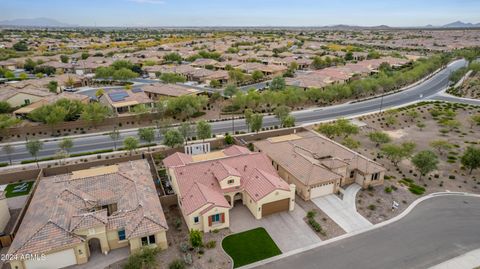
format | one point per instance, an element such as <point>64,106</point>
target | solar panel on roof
<point>118,96</point>
<point>137,90</point>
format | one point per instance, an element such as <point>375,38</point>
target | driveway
<point>287,229</point>
<point>343,212</point>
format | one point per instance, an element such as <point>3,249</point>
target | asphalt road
<point>437,230</point>
<point>424,90</point>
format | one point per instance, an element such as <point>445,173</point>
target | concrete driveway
<point>343,212</point>
<point>287,229</point>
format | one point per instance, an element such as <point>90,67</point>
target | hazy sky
<point>244,12</point>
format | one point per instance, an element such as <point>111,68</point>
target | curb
<point>376,226</point>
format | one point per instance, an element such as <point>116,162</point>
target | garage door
<point>53,261</point>
<point>321,190</point>
<point>274,207</point>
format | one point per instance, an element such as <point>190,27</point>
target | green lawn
<point>250,246</point>
<point>9,190</point>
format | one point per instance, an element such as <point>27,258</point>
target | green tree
<point>130,143</point>
<point>289,121</point>
<point>172,78</point>
<point>186,129</point>
<point>5,107</point>
<point>281,113</point>
<point>379,137</point>
<point>49,114</point>
<point>215,83</point>
<point>196,239</point>
<point>230,90</point>
<point>257,75</point>
<point>23,76</point>
<point>66,144</point>
<point>471,158</point>
<point>248,117</point>
<point>33,147</point>
<point>346,127</point>
<point>52,86</point>
<point>173,138</point>
<point>277,84</point>
<point>9,150</point>
<point>9,74</point>
<point>441,145</point>
<point>99,93</point>
<point>256,122</point>
<point>85,55</point>
<point>236,76</point>
<point>396,153</point>
<point>229,140</point>
<point>124,74</point>
<point>95,113</point>
<point>348,56</point>
<point>115,136</point>
<point>204,130</point>
<point>329,130</point>
<point>425,162</point>
<point>7,121</point>
<point>29,65</point>
<point>147,135</point>
<point>172,57</point>
<point>20,46</point>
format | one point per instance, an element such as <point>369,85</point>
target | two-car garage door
<point>322,190</point>
<point>274,207</point>
<point>56,260</point>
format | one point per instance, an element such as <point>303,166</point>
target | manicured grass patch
<point>250,246</point>
<point>18,189</point>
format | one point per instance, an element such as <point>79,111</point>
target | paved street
<point>422,91</point>
<point>437,230</point>
<point>287,229</point>
<point>343,212</point>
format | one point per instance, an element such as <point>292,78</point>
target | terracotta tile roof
<point>313,158</point>
<point>198,182</point>
<point>66,203</point>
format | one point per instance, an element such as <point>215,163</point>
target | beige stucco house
<point>317,165</point>
<point>209,185</point>
<point>72,216</point>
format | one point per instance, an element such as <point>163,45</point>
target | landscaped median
<point>250,246</point>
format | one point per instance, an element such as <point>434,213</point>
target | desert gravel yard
<point>449,125</point>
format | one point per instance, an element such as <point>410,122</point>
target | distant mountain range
<point>36,22</point>
<point>48,22</point>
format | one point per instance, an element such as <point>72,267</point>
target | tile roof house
<point>4,212</point>
<point>70,215</point>
<point>156,90</point>
<point>317,165</point>
<point>208,185</point>
<point>124,100</point>
<point>23,111</point>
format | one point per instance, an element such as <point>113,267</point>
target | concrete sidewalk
<point>468,260</point>
<point>343,212</point>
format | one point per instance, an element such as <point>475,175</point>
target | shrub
<point>195,238</point>
<point>176,264</point>
<point>143,259</point>
<point>311,214</point>
<point>211,244</point>
<point>187,258</point>
<point>416,189</point>
<point>372,207</point>
<point>388,189</point>
<point>183,247</point>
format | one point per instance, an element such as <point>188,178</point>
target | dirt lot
<point>177,234</point>
<point>330,227</point>
<point>470,87</point>
<point>376,203</point>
